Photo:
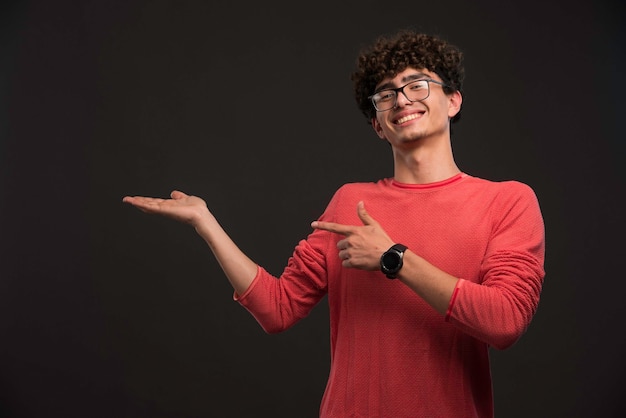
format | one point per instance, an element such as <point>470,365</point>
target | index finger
<point>333,227</point>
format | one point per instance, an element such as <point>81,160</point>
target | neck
<point>424,165</point>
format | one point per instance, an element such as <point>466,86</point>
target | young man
<point>423,271</point>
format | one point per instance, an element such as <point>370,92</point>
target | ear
<point>454,103</point>
<point>378,129</point>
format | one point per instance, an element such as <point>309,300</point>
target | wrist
<point>202,221</point>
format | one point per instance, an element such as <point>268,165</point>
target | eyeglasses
<point>414,91</point>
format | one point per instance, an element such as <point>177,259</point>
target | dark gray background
<point>107,312</point>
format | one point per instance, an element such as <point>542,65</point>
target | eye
<point>418,85</point>
<point>385,96</point>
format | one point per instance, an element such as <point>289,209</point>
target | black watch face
<point>391,260</point>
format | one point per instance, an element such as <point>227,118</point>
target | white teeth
<point>407,118</point>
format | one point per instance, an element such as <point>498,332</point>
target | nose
<point>402,100</point>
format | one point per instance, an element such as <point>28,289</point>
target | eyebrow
<point>406,79</point>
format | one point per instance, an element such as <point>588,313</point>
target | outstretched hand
<point>181,207</point>
<point>363,244</point>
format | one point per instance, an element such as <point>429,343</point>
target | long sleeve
<point>279,303</point>
<point>499,308</point>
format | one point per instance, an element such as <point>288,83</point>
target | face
<point>409,122</point>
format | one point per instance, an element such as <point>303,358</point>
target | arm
<point>239,269</point>
<point>500,307</point>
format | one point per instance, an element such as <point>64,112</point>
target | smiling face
<point>412,121</point>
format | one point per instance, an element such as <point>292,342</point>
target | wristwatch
<point>391,260</point>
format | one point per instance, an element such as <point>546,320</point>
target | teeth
<point>407,118</point>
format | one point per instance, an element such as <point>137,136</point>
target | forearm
<point>496,312</point>
<point>238,267</point>
<point>429,282</point>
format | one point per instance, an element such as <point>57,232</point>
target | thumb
<point>176,194</point>
<point>363,215</point>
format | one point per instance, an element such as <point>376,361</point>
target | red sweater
<point>392,355</point>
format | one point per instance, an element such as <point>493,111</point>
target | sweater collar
<point>411,186</point>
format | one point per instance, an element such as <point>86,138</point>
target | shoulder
<point>358,188</point>
<point>503,195</point>
<point>501,188</point>
<point>347,196</point>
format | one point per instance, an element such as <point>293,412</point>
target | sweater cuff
<point>459,283</point>
<point>237,297</point>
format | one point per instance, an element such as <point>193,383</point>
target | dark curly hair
<point>390,55</point>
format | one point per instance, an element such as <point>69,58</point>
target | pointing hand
<point>362,245</point>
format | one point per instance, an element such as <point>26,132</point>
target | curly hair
<point>390,55</point>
